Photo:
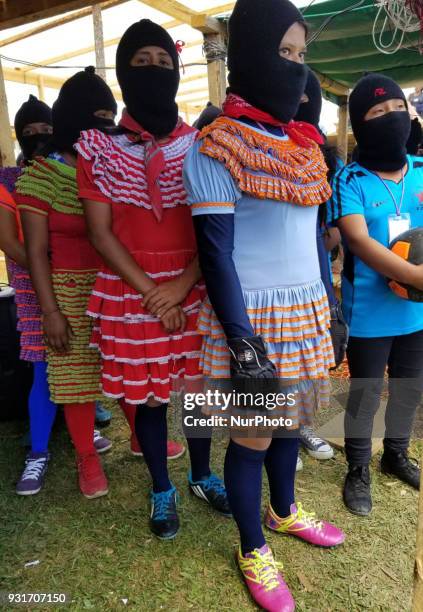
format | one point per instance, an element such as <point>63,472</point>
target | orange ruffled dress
<point>273,187</point>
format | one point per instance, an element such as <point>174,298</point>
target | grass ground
<point>101,552</point>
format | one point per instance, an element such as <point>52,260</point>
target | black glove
<point>249,358</point>
<point>253,375</point>
<point>339,332</point>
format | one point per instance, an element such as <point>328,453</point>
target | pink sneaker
<point>305,526</point>
<point>264,581</point>
<point>174,449</point>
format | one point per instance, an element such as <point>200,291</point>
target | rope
<point>329,19</point>
<point>399,17</point>
<point>214,51</point>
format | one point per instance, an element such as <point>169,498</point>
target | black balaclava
<point>79,98</point>
<point>382,141</point>
<point>257,73</point>
<point>208,115</point>
<point>32,111</point>
<point>149,92</point>
<point>416,137</point>
<point>310,111</point>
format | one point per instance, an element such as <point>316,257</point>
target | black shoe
<point>398,464</point>
<point>357,496</point>
<point>212,490</point>
<point>164,521</point>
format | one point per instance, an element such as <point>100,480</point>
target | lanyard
<point>397,208</point>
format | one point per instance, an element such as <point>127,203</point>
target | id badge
<point>398,224</point>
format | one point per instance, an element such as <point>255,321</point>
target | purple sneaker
<point>32,478</point>
<point>101,443</point>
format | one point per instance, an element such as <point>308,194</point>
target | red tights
<point>80,422</point>
<point>129,411</point>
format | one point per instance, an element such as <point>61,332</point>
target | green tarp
<point>345,49</point>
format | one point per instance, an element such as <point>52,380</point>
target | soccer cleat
<point>398,464</point>
<point>32,479</point>
<point>305,526</point>
<point>92,481</point>
<point>174,449</point>
<point>264,581</point>
<point>164,521</point>
<point>102,415</point>
<point>315,446</point>
<point>212,490</point>
<point>356,494</point>
<point>101,444</point>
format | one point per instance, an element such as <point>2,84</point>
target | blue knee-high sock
<point>243,481</point>
<point>42,411</point>
<point>199,448</point>
<point>281,463</point>
<point>151,431</point>
<point>199,452</point>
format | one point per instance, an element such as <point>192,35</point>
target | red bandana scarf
<point>155,162</point>
<point>299,131</point>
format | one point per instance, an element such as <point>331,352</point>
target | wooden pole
<point>418,583</point>
<point>216,69</point>
<point>100,58</point>
<point>41,90</point>
<point>343,127</point>
<point>7,153</point>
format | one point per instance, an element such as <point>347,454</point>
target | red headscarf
<point>299,131</point>
<point>155,162</point>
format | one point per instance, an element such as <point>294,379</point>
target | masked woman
<point>255,181</point>
<point>375,199</point>
<point>147,296</point>
<point>33,128</point>
<point>63,265</point>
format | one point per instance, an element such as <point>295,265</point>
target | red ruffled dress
<point>140,359</point>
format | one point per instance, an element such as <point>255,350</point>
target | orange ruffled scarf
<point>266,167</point>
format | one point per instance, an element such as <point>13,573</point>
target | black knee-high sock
<point>151,430</point>
<point>199,452</point>
<point>281,462</point>
<point>243,481</point>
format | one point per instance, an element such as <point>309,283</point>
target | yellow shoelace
<point>264,568</point>
<point>308,517</point>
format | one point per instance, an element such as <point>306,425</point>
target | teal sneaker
<point>102,416</point>
<point>164,521</point>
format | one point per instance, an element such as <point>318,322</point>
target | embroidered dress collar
<point>267,167</point>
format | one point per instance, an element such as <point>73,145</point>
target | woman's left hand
<point>162,298</point>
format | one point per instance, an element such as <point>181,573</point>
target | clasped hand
<point>164,302</point>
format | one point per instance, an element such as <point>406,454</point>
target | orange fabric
<point>213,205</point>
<point>399,289</point>
<point>266,167</point>
<point>402,249</point>
<point>8,203</point>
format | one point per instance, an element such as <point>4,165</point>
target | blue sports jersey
<point>371,309</point>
